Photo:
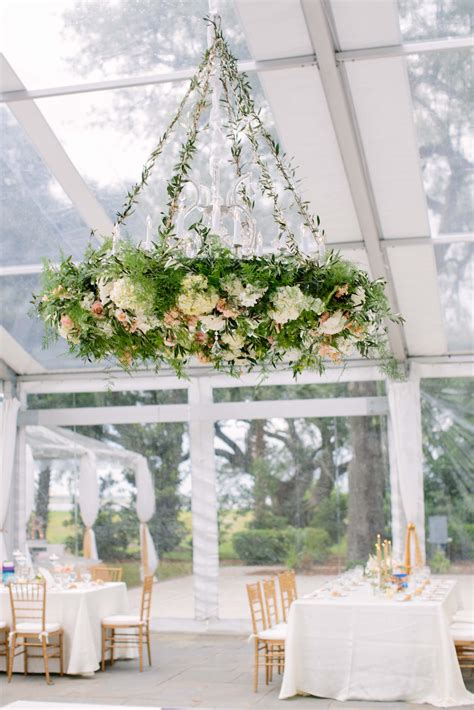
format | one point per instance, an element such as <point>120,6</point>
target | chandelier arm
<point>127,208</point>
<point>188,148</point>
<point>283,166</point>
<point>244,111</point>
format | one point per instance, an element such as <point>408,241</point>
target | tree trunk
<point>366,482</point>
<point>256,446</point>
<point>42,499</point>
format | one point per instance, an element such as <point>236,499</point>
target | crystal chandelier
<point>205,283</point>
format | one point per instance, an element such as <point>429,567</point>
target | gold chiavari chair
<point>463,636</point>
<point>269,642</point>
<point>4,645</point>
<point>30,629</point>
<point>122,630</point>
<point>106,574</point>
<point>273,619</point>
<point>288,592</point>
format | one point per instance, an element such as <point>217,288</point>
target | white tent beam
<point>351,55</point>
<point>405,50</point>
<point>207,411</point>
<point>345,127</point>
<point>53,154</point>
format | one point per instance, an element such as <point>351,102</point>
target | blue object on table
<point>8,572</point>
<point>401,578</point>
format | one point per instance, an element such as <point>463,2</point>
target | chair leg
<point>140,647</point>
<point>148,644</point>
<point>25,661</point>
<point>103,639</point>
<point>255,668</point>
<point>61,654</point>
<point>45,659</point>
<point>11,658</point>
<point>112,647</point>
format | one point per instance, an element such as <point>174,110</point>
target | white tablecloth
<point>363,647</point>
<point>79,611</point>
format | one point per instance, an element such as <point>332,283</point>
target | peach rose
<point>97,308</point>
<point>200,337</point>
<point>121,316</point>
<point>342,291</point>
<point>171,317</point>
<point>203,358</point>
<point>66,321</point>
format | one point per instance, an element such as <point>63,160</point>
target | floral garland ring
<point>235,314</point>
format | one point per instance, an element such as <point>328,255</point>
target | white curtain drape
<point>30,467</point>
<point>89,502</point>
<point>8,418</point>
<point>145,510</point>
<point>406,462</point>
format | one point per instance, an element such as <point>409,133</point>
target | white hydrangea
<point>196,299</point>
<point>144,323</point>
<point>235,341</point>
<point>289,302</point>
<point>358,298</point>
<point>333,324</point>
<point>124,294</point>
<point>247,295</point>
<point>213,322</point>
<point>104,287</point>
<point>197,304</point>
<point>194,282</point>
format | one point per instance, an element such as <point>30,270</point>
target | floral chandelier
<point>203,284</point>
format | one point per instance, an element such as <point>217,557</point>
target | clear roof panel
<point>435,19</point>
<point>441,85</point>
<point>37,219</point>
<point>455,263</point>
<point>108,39</point>
<point>15,316</point>
<point>109,134</point>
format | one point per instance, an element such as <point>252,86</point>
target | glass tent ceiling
<point>372,98</point>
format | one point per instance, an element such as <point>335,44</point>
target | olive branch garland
<point>242,117</point>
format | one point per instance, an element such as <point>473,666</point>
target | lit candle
<point>385,550</point>
<point>236,227</point>
<point>149,229</point>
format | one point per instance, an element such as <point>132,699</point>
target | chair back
<point>28,603</point>
<point>271,604</point>
<point>147,591</point>
<point>257,613</point>
<point>288,592</point>
<point>106,574</point>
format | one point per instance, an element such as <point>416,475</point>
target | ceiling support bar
<point>351,55</point>
<point>345,128</point>
<point>55,157</point>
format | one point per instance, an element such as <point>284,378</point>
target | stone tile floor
<point>189,671</point>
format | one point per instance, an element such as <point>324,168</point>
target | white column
<point>204,504</point>
<point>406,462</point>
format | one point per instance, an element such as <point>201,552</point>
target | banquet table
<point>79,611</point>
<point>367,647</point>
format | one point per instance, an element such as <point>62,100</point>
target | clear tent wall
<point>249,476</point>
